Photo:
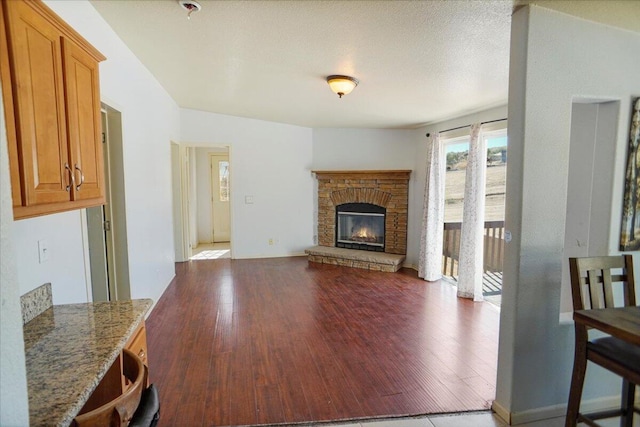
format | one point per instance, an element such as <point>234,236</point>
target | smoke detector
<point>190,6</point>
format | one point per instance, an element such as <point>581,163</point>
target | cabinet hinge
<point>107,225</point>
<point>104,137</point>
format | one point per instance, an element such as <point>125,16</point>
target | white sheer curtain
<point>430,263</point>
<point>470,267</point>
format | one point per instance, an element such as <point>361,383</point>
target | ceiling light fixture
<point>342,85</point>
<point>190,6</point>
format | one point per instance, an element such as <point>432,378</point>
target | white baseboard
<point>501,412</point>
<point>538,414</point>
<point>553,411</point>
<point>287,255</point>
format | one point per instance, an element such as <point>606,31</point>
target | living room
<point>272,162</point>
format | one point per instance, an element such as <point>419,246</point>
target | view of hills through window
<point>457,153</point>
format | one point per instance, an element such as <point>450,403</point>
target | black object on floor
<point>148,412</point>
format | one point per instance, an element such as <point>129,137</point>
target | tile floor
<point>475,419</point>
<point>211,251</point>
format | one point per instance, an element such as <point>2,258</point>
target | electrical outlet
<point>43,251</point>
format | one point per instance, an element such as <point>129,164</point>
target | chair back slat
<point>594,289</point>
<point>593,281</point>
<point>602,262</point>
<point>630,291</point>
<point>608,288</point>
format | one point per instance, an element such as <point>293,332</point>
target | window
<point>223,167</point>
<point>456,151</point>
<point>496,175</point>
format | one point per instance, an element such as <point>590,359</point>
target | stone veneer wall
<point>389,189</point>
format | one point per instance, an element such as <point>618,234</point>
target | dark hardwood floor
<point>269,341</point>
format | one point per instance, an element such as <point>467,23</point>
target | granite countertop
<point>68,349</point>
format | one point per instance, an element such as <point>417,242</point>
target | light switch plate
<point>43,251</point>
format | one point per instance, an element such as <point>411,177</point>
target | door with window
<point>456,151</point>
<point>220,197</point>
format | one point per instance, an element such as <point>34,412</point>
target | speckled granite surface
<point>68,350</point>
<point>35,302</point>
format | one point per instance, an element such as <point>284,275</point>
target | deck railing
<point>493,247</point>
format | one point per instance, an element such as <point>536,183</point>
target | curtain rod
<point>466,126</point>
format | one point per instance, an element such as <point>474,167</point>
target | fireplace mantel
<point>363,174</point>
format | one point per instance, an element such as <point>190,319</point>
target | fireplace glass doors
<point>360,226</point>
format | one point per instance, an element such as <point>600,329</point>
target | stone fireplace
<point>362,218</point>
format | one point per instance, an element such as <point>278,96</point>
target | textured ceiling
<point>417,61</point>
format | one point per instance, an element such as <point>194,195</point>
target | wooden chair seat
<point>118,412</point>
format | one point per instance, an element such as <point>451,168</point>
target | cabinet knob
<point>141,353</point>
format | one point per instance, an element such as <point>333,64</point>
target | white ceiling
<point>417,61</point>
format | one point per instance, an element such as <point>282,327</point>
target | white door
<point>106,225</point>
<point>220,197</point>
<point>98,254</point>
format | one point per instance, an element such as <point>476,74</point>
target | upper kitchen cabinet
<point>52,108</point>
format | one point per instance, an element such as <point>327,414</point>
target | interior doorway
<point>106,225</point>
<point>202,194</point>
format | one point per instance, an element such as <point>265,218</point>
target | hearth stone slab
<point>378,261</point>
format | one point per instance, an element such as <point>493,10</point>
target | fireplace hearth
<point>362,219</point>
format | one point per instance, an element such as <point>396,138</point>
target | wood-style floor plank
<point>272,341</point>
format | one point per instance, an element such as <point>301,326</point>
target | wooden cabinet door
<point>138,343</point>
<point>84,125</point>
<point>39,105</point>
<point>9,115</point>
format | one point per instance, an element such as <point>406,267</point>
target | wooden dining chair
<point>595,282</point>
<point>119,411</point>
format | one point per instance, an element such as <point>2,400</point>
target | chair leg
<point>577,382</point>
<point>628,400</point>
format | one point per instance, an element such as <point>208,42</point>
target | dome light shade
<point>342,85</point>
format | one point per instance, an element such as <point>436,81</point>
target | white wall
<point>150,119</point>
<point>554,59</point>
<point>418,177</point>
<point>65,268</point>
<point>591,158</point>
<point>13,378</point>
<point>270,162</point>
<point>369,149</point>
